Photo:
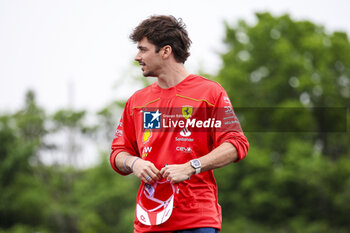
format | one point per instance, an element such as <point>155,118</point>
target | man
<point>173,133</point>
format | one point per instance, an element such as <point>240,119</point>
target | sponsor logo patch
<point>184,149</point>
<point>185,132</point>
<point>184,139</point>
<point>187,111</point>
<point>227,100</point>
<point>146,150</point>
<point>118,133</point>
<point>147,134</point>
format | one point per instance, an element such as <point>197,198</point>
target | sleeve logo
<point>118,133</point>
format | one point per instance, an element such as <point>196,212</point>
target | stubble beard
<point>149,74</point>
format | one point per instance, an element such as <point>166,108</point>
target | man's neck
<point>173,76</point>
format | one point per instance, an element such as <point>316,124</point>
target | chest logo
<point>146,150</point>
<point>147,134</point>
<point>185,132</point>
<point>187,111</point>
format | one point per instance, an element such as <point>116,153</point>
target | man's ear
<point>166,51</point>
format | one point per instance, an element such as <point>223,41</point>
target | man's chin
<point>148,74</point>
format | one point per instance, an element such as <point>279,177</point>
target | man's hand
<point>146,171</point>
<point>177,173</point>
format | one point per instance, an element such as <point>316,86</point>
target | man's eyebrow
<point>141,47</point>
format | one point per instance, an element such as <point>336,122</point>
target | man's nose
<point>137,57</point>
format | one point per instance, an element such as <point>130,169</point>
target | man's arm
<point>127,163</point>
<point>221,156</point>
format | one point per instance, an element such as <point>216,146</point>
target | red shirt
<point>173,126</point>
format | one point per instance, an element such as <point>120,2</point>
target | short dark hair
<point>162,30</point>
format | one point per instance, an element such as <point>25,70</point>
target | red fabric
<point>196,202</point>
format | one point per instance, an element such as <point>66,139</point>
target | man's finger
<point>155,173</point>
<point>162,171</point>
<point>148,178</point>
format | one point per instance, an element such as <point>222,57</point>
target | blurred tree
<point>70,124</point>
<point>22,198</point>
<point>107,121</point>
<point>277,72</point>
<point>282,63</point>
<point>36,197</point>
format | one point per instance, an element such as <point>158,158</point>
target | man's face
<point>148,58</point>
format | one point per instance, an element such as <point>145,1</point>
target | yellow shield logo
<point>187,111</point>
<point>146,135</point>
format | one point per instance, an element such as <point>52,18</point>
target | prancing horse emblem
<point>187,111</point>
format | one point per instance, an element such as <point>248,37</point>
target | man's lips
<point>142,65</point>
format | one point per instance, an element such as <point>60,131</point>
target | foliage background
<point>292,180</point>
